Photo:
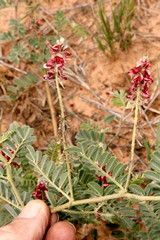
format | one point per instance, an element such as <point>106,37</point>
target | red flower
<point>59,55</point>
<point>140,77</point>
<point>55,48</point>
<point>39,192</point>
<point>103,179</point>
<point>58,61</point>
<point>8,158</point>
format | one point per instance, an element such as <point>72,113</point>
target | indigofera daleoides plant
<point>84,182</point>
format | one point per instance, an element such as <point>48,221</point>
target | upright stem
<point>133,139</point>
<point>52,110</point>
<point>9,174</point>
<point>63,133</point>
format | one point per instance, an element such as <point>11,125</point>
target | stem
<point>11,203</point>
<point>52,183</point>
<point>63,133</point>
<point>52,110</point>
<point>10,179</point>
<point>104,173</point>
<point>133,139</point>
<point>121,194</point>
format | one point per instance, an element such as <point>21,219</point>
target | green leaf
<point>96,188</point>
<point>120,98</point>
<point>111,164</point>
<point>63,179</point>
<point>18,52</point>
<point>57,173</point>
<point>103,159</point>
<point>109,118</point>
<point>17,27</point>
<point>10,145</point>
<point>74,149</point>
<point>78,29</point>
<point>155,160</point>
<point>147,147</point>
<point>2,4</point>
<point>60,20</point>
<point>152,175</point>
<point>118,170</point>
<point>158,134</point>
<point>7,37</point>
<point>137,189</point>
<point>51,198</point>
<point>11,210</point>
<point>5,136</point>
<point>109,190</point>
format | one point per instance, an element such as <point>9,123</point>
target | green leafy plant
<point>4,4</point>
<point>117,29</point>
<point>85,180</point>
<point>21,85</point>
<point>62,22</point>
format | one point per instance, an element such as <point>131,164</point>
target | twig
<point>151,109</point>
<point>12,67</point>
<point>102,107</point>
<point>83,5</point>
<point>76,78</point>
<point>153,99</point>
<point>73,114</point>
<point>119,128</point>
<point>50,25</point>
<point>149,123</point>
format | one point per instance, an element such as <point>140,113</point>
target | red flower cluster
<point>39,192</point>
<point>58,58</point>
<point>103,179</point>
<point>8,158</point>
<point>140,77</point>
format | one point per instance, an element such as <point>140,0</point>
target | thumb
<point>30,224</point>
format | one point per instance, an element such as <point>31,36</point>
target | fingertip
<point>32,222</point>
<point>35,208</point>
<point>61,231</point>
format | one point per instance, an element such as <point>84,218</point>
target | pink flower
<point>38,21</point>
<point>58,59</point>
<point>140,77</point>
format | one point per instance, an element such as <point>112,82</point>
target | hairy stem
<point>5,200</point>
<point>133,139</point>
<point>52,110</point>
<point>10,179</point>
<point>63,133</point>
<point>121,194</point>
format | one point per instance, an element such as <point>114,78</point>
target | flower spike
<point>58,59</point>
<point>140,77</point>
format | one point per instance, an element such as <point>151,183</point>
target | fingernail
<point>31,210</point>
<point>72,226</point>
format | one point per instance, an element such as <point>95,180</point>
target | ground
<point>89,96</point>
